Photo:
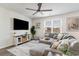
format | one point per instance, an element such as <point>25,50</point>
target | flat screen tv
<point>20,24</point>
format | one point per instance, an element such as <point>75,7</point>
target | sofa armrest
<point>53,51</point>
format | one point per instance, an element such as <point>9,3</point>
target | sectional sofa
<point>57,41</point>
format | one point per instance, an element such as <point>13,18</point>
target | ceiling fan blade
<point>46,10</point>
<point>39,6</point>
<point>31,9</point>
<point>35,12</point>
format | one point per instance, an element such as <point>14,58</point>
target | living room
<point>55,18</point>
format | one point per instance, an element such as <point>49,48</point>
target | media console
<point>19,39</point>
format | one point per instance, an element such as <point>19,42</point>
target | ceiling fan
<point>39,9</point>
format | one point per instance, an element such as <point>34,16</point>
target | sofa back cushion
<point>75,45</point>
<point>51,35</point>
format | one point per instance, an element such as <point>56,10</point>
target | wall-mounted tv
<point>20,24</point>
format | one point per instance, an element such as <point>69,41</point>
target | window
<point>52,26</point>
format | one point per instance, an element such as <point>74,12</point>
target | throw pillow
<point>63,42</point>
<point>60,35</point>
<point>66,36</point>
<point>55,45</point>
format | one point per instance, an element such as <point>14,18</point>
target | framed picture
<point>38,25</point>
<point>73,24</point>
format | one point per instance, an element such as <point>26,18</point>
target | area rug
<point>23,50</point>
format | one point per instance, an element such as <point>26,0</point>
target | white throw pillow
<point>60,35</point>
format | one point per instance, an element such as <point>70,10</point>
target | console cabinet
<point>19,39</point>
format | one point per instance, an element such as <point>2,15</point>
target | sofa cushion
<point>51,35</point>
<point>71,41</point>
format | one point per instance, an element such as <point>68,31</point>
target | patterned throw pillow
<point>63,42</point>
<point>66,36</point>
<point>55,35</point>
<point>59,37</point>
<point>55,45</point>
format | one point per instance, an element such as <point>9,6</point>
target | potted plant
<point>33,31</point>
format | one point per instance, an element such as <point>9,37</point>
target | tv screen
<point>20,24</point>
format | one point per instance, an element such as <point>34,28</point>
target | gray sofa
<point>48,39</point>
<point>55,36</point>
<point>74,45</point>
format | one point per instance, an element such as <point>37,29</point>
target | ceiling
<point>58,8</point>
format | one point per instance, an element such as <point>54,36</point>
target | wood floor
<point>4,52</point>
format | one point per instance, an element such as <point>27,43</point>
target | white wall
<point>63,18</point>
<point>6,32</point>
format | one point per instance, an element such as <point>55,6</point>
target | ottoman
<point>38,52</point>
